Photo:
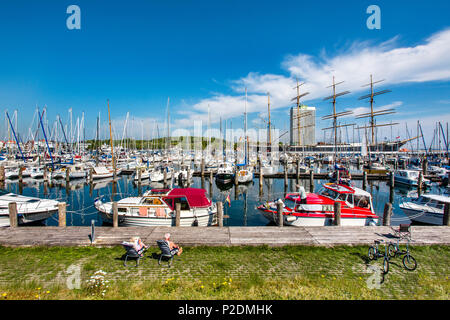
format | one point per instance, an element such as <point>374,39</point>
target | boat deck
<point>215,236</point>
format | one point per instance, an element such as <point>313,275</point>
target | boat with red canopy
<point>157,207</point>
<point>318,209</point>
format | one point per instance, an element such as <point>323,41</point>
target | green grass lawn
<point>290,272</point>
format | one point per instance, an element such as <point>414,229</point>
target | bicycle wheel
<point>409,262</point>
<point>392,250</point>
<point>371,253</point>
<point>386,265</point>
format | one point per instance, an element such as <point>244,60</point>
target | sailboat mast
<point>268,123</point>
<point>111,140</point>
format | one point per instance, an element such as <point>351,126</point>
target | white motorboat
<point>245,176</point>
<point>409,177</point>
<point>37,173</point>
<point>157,208</point>
<point>428,208</point>
<point>157,175</point>
<point>29,209</point>
<point>104,172</point>
<point>145,174</point>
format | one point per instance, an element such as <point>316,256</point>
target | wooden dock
<point>218,236</point>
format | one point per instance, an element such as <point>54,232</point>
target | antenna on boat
<point>372,114</point>
<point>335,115</point>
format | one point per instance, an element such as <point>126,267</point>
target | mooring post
<point>280,214</point>
<point>2,173</point>
<point>115,215</point>
<point>12,206</point>
<point>236,176</point>
<point>91,175</point>
<point>139,173</point>
<point>364,180</point>
<point>425,166</point>
<point>391,187</point>
<point>285,175</point>
<point>20,174</point>
<point>62,214</point>
<point>297,177</point>
<point>419,183</point>
<point>202,168</point>
<point>337,213</point>
<point>189,175</point>
<point>387,214</point>
<point>311,180</point>
<point>165,178</point>
<point>177,214</point>
<point>220,213</point>
<point>446,217</point>
<point>67,174</point>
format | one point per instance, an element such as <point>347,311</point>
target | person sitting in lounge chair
<point>138,245</point>
<point>174,248</point>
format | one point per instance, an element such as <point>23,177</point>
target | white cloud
<point>428,61</point>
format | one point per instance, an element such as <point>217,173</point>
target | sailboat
<point>245,174</point>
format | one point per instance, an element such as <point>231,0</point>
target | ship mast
<point>372,114</point>
<point>335,115</point>
<point>298,109</point>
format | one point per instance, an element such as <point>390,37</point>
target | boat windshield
<point>362,201</point>
<point>325,192</point>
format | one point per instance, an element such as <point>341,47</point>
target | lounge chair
<point>165,252</point>
<point>131,253</point>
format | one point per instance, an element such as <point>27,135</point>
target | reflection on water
<point>244,198</point>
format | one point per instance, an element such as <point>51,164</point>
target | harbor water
<point>241,211</point>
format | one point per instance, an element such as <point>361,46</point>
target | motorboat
<point>376,168</point>
<point>103,172</point>
<point>145,174</point>
<point>245,176</point>
<point>427,208</point>
<point>157,207</point>
<point>225,173</point>
<point>158,174</point>
<point>29,209</point>
<point>37,173</point>
<point>313,209</point>
<point>409,178</point>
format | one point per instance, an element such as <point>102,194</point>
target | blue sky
<point>139,53</point>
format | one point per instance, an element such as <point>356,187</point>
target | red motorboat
<point>318,209</point>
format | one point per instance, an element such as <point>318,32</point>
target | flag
<point>228,200</point>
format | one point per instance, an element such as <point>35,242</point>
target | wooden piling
<point>2,173</point>
<point>297,176</point>
<point>91,176</point>
<point>387,214</point>
<point>285,175</point>
<point>311,180</point>
<point>177,214</point>
<point>337,213</point>
<point>261,177</point>
<point>12,206</point>
<point>446,217</point>
<point>67,174</point>
<point>20,175</point>
<point>202,168</point>
<point>419,183</point>
<point>62,214</point>
<point>139,173</point>
<point>364,180</point>
<point>115,215</point>
<point>425,166</point>
<point>280,214</point>
<point>220,213</point>
<point>391,187</point>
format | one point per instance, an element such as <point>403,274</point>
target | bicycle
<point>404,232</point>
<point>375,253</point>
